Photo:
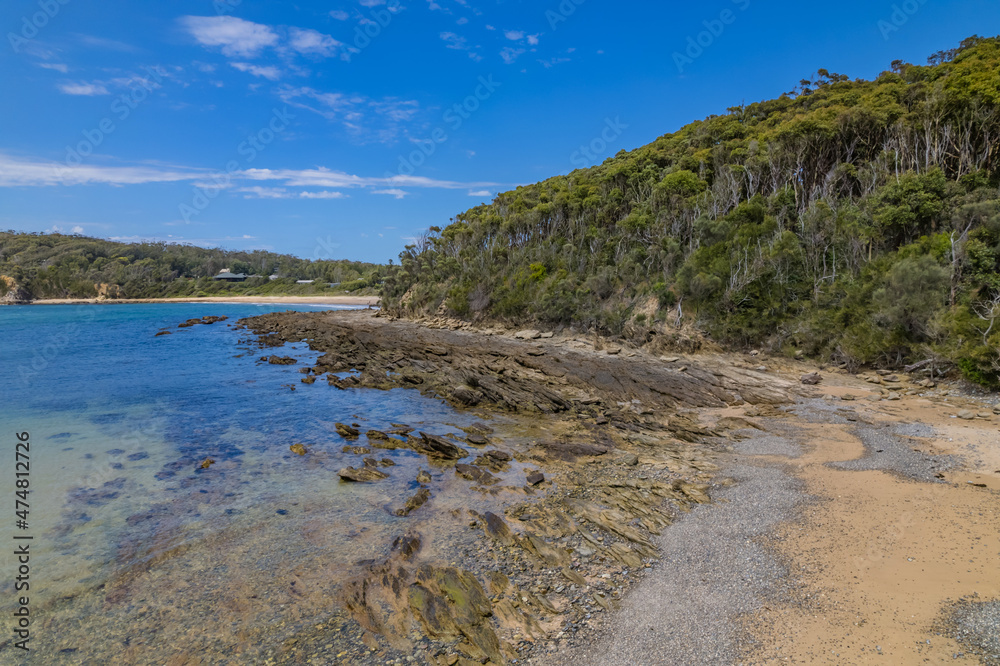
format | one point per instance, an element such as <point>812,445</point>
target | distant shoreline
<point>290,300</point>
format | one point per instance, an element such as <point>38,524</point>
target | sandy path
<point>853,527</point>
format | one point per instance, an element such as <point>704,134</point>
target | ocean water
<point>138,556</point>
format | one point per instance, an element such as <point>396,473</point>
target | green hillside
<point>60,266</point>
<point>856,220</point>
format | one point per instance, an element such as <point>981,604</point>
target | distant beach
<point>291,300</point>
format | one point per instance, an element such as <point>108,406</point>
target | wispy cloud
<point>83,88</point>
<point>59,67</point>
<point>318,183</point>
<point>459,43</point>
<point>395,192</point>
<point>233,36</point>
<point>270,73</point>
<point>365,118</point>
<point>511,54</point>
<point>313,43</point>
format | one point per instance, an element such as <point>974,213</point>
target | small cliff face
<point>11,293</point>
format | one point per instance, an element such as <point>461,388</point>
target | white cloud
<point>399,194</point>
<point>234,36</point>
<point>83,88</point>
<point>313,43</point>
<point>275,183</point>
<point>59,67</point>
<point>510,54</point>
<point>77,229</point>
<point>372,3</point>
<point>514,35</point>
<point>340,15</point>
<point>480,193</point>
<point>462,21</point>
<point>368,119</point>
<point>109,44</point>
<point>270,73</point>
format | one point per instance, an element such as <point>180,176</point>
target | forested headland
<point>855,221</point>
<point>38,266</point>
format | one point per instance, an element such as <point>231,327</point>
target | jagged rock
<point>311,379</point>
<point>298,448</point>
<point>495,461</point>
<point>630,460</point>
<point>206,463</point>
<point>423,476</point>
<point>414,503</point>
<point>475,474</point>
<point>346,431</point>
<point>162,333</point>
<point>407,545</point>
<point>466,396</point>
<point>535,478</point>
<point>437,447</point>
<point>386,462</point>
<point>570,450</point>
<point>356,450</point>
<point>477,440</point>
<point>363,475</point>
<point>436,350</point>
<point>811,379</point>
<point>377,435</point>
<point>483,429</point>
<point>281,360</point>
<point>497,528</point>
<point>528,334</point>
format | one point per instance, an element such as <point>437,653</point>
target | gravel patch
<point>887,450</point>
<point>713,569</point>
<point>976,626</point>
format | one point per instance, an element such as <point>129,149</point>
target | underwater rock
<point>162,333</point>
<point>473,473</point>
<point>298,448</point>
<point>363,475</point>
<point>423,477</point>
<point>414,503</point>
<point>437,447</point>
<point>356,450</point>
<point>346,431</point>
<point>206,463</point>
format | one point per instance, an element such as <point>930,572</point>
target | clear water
<point>139,558</point>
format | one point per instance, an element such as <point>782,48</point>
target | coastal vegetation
<point>63,266</point>
<point>852,220</point>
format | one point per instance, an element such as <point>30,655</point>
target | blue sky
<point>345,129</point>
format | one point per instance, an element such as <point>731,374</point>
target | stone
<point>630,460</point>
<point>365,474</point>
<point>346,431</point>
<point>811,379</point>
<point>466,396</point>
<point>528,334</point>
<point>162,333</point>
<point>206,463</point>
<point>475,474</point>
<point>570,450</point>
<point>413,503</point>
<point>423,476</point>
<point>535,478</point>
<point>356,450</point>
<point>281,360</point>
<point>477,440</point>
<point>437,447</point>
<point>966,415</point>
<point>497,528</point>
<point>298,448</point>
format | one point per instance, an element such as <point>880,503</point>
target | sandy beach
<point>291,300</point>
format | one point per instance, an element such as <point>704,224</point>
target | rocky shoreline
<point>624,453</point>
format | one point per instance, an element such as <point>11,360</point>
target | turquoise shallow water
<point>122,522</point>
